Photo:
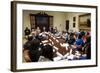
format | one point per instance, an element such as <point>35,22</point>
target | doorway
<point>67,25</point>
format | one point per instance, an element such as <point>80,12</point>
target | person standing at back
<point>27,32</point>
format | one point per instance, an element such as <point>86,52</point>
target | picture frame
<point>74,19</point>
<point>82,22</point>
<point>85,23</point>
<point>17,8</point>
<point>74,25</point>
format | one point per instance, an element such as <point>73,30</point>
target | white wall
<point>59,19</point>
<point>70,18</point>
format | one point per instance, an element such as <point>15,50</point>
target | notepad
<point>57,58</point>
<point>54,38</point>
<point>77,53</point>
<point>71,56</point>
<point>66,55</point>
<point>57,40</point>
<point>61,44</point>
<point>52,43</point>
<point>50,40</point>
<point>55,47</point>
<point>54,50</point>
<point>70,51</point>
<point>58,37</point>
<point>45,41</point>
<point>49,44</point>
<point>66,48</point>
<point>44,44</point>
<point>58,54</point>
<point>64,44</point>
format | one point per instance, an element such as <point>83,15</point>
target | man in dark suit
<point>27,31</point>
<point>32,50</point>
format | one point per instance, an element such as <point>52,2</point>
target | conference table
<point>59,44</point>
<point>62,50</point>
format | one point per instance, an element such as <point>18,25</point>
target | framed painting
<point>40,40</point>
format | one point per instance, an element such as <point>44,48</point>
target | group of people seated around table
<point>34,49</point>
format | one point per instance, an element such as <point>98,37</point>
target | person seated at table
<point>55,30</point>
<point>82,33</point>
<point>87,48</point>
<point>83,36</point>
<point>64,35</point>
<point>36,34</point>
<point>51,29</point>
<point>72,39</point>
<point>58,34</point>
<point>79,43</point>
<point>26,47</point>
<point>47,53</point>
<point>32,50</point>
<point>44,29</point>
<point>44,34</point>
<point>67,36</point>
<point>33,32</point>
<point>88,34</point>
<point>38,30</point>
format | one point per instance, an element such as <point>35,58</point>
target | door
<point>67,25</point>
<point>42,21</point>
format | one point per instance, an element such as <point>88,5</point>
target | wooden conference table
<point>58,44</point>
